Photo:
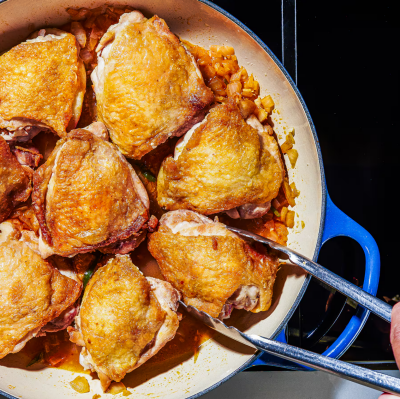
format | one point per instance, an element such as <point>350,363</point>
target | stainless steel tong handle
<point>375,305</point>
<point>362,376</point>
<point>369,378</point>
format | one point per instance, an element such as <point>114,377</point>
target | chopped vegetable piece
<point>285,147</point>
<point>276,213</point>
<point>282,232</point>
<point>87,276</point>
<point>126,393</point>
<point>247,93</point>
<point>246,107</point>
<point>290,219</point>
<point>288,144</point>
<point>80,384</point>
<point>288,193</point>
<point>284,212</point>
<point>96,396</point>
<point>80,33</point>
<point>233,88</point>
<point>290,139</point>
<point>116,388</point>
<point>293,155</point>
<point>37,359</point>
<point>149,176</point>
<point>56,358</point>
<point>267,103</point>
<point>303,224</point>
<point>222,50</point>
<point>295,192</point>
<point>261,114</point>
<point>291,131</point>
<point>77,15</point>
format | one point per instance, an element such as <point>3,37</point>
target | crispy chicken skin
<point>87,197</point>
<point>15,184</point>
<point>42,86</point>
<point>32,293</point>
<point>213,268</point>
<point>124,319</point>
<point>148,87</point>
<point>222,164</point>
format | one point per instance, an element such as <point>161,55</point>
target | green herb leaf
<point>37,359</point>
<point>276,213</point>
<point>87,276</point>
<point>149,176</point>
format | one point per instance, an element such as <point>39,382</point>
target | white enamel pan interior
<point>204,24</point>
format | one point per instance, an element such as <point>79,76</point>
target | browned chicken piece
<point>27,155</point>
<point>42,85</point>
<point>213,268</point>
<point>33,294</point>
<point>15,184</point>
<point>87,196</point>
<point>124,319</point>
<point>221,164</point>
<point>148,87</point>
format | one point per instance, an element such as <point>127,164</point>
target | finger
<point>395,333</point>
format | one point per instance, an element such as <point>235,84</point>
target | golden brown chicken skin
<point>148,87</point>
<point>42,85</point>
<point>221,164</point>
<point>213,268</point>
<point>124,319</point>
<point>32,293</point>
<point>15,184</point>
<point>87,197</point>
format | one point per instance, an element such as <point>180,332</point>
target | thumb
<point>395,333</point>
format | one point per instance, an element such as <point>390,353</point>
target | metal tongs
<point>339,368</point>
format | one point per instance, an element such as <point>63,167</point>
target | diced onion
<point>261,114</point>
<point>80,33</point>
<point>116,388</point>
<point>293,155</point>
<point>233,88</point>
<point>217,86</point>
<point>267,103</point>
<point>295,192</point>
<point>87,56</point>
<point>284,212</point>
<point>288,193</point>
<point>246,107</point>
<point>80,384</point>
<point>290,219</point>
<point>78,15</point>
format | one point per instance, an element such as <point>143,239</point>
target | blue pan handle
<point>337,224</point>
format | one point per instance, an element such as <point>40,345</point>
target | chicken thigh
<point>42,85</point>
<point>221,164</point>
<point>32,293</point>
<point>87,197</point>
<point>148,87</point>
<point>124,319</point>
<point>15,184</point>
<point>213,268</point>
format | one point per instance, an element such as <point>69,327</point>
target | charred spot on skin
<point>215,243</point>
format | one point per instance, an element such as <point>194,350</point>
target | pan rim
<point>323,194</point>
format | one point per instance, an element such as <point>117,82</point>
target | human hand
<point>395,341</point>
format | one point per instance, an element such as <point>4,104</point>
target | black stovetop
<point>349,78</point>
